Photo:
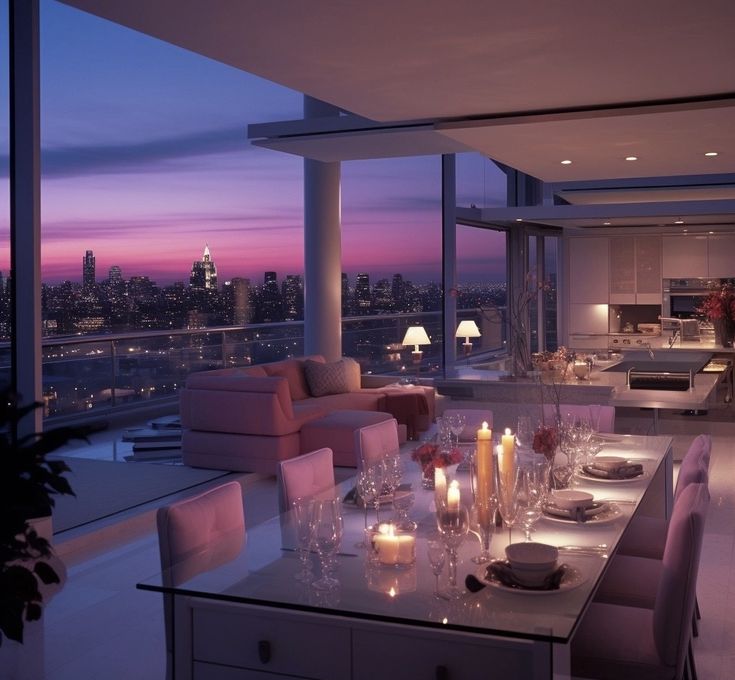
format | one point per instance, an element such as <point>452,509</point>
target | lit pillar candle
<point>484,465</point>
<point>393,548</point>
<point>508,441</point>
<point>453,496</point>
<point>440,485</point>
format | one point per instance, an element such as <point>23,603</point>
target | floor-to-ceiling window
<point>543,268</point>
<point>391,260</point>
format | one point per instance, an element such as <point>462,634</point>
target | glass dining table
<point>248,617</point>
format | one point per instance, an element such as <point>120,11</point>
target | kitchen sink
<point>663,362</point>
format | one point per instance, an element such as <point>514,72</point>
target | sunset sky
<point>145,159</point>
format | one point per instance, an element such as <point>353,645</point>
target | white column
<point>322,249</point>
<point>25,208</point>
<point>449,258</point>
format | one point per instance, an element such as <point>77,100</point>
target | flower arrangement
<point>720,304</point>
<point>430,455</point>
<point>545,441</point>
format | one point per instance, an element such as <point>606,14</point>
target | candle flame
<point>392,592</point>
<point>484,424</point>
<point>507,430</point>
<point>454,484</point>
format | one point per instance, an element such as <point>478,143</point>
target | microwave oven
<point>683,297</point>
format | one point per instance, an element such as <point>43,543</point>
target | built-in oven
<point>683,297</point>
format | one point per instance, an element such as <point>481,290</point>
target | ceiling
<point>529,83</point>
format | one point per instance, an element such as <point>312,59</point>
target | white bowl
<point>571,499</point>
<point>531,562</point>
<point>609,463</point>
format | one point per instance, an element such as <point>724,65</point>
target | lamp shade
<point>467,329</point>
<point>416,335</point>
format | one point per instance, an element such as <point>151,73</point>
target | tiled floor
<point>100,626</point>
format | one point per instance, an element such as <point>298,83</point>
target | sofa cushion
<point>336,377</point>
<point>293,371</point>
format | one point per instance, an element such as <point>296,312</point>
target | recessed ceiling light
<point>631,158</point>
<point>685,230</point>
<point>518,219</point>
<point>712,232</point>
<point>711,153</point>
<point>607,224</point>
<point>679,222</point>
<point>566,162</point>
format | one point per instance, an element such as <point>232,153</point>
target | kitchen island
<point>510,397</point>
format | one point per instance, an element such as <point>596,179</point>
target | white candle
<point>509,441</point>
<point>440,485</point>
<point>395,548</point>
<point>484,462</point>
<point>453,496</point>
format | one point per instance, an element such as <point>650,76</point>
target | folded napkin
<point>352,497</point>
<point>577,514</point>
<point>502,572</point>
<point>623,471</point>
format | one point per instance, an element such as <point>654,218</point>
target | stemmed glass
<point>391,476</point>
<point>303,509</point>
<point>508,496</point>
<point>453,525</point>
<point>437,557</point>
<point>524,433</point>
<point>456,423</point>
<point>378,473</point>
<point>327,528</point>
<point>484,520</point>
<point>531,495</point>
<point>367,490</point>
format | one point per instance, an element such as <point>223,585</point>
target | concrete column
<point>322,249</point>
<point>449,258</point>
<point>25,208</point>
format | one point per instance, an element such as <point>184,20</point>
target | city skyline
<point>144,152</point>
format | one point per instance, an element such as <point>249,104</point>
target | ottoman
<point>337,431</point>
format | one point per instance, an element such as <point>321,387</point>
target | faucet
<point>677,331</point>
<point>647,345</point>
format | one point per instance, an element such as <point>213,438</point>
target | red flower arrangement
<point>430,456</point>
<point>719,304</point>
<point>545,440</point>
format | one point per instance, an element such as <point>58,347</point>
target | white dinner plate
<point>573,578</point>
<point>605,437</point>
<point>609,513</point>
<point>591,478</point>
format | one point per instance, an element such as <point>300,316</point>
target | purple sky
<point>145,159</point>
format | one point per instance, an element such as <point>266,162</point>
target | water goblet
<point>437,558</point>
<point>531,495</point>
<point>456,422</point>
<point>366,491</point>
<point>453,524</point>
<point>302,513</point>
<point>508,496</point>
<point>524,433</point>
<point>484,520</point>
<point>327,532</point>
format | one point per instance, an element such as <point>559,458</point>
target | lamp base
<point>467,347</point>
<point>416,357</point>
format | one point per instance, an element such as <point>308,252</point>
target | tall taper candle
<point>484,463</point>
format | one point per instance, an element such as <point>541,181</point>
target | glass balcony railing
<point>97,374</point>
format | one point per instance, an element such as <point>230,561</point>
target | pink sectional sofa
<point>249,419</point>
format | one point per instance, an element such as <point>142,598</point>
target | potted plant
<point>28,482</point>
<point>719,308</point>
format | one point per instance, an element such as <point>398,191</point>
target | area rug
<point>104,488</point>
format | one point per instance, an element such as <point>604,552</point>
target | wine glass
<point>524,433</point>
<point>531,495</point>
<point>484,520</point>
<point>327,528</point>
<point>366,491</point>
<point>508,496</point>
<point>437,558</point>
<point>456,422</point>
<point>453,524</point>
<point>303,509</point>
<point>378,473</point>
<point>391,476</point>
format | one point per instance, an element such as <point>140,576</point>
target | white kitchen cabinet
<point>721,255</point>
<point>635,270</point>
<point>684,256</point>
<point>588,269</point>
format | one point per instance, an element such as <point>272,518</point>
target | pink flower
<point>545,441</point>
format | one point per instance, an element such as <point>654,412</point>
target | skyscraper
<point>241,301</point>
<point>293,297</point>
<point>362,294</point>
<point>203,272</point>
<point>88,274</point>
<point>271,301</point>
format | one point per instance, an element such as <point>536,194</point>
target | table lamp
<point>416,335</point>
<point>467,329</point>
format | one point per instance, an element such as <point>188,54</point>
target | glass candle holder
<point>392,546</point>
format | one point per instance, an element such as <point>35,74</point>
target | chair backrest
<point>375,442</point>
<point>195,535</point>
<point>694,468</point>
<point>672,615</point>
<point>602,418</point>
<point>473,420</point>
<point>304,476</point>
<point>199,533</point>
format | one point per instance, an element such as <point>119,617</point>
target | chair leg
<point>692,666</point>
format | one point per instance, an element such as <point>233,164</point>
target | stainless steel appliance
<point>682,298</point>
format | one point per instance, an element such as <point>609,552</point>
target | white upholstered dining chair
<point>304,476</point>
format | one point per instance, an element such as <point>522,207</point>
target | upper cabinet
<point>721,255</point>
<point>588,269</point>
<point>685,256</point>
<point>635,270</point>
